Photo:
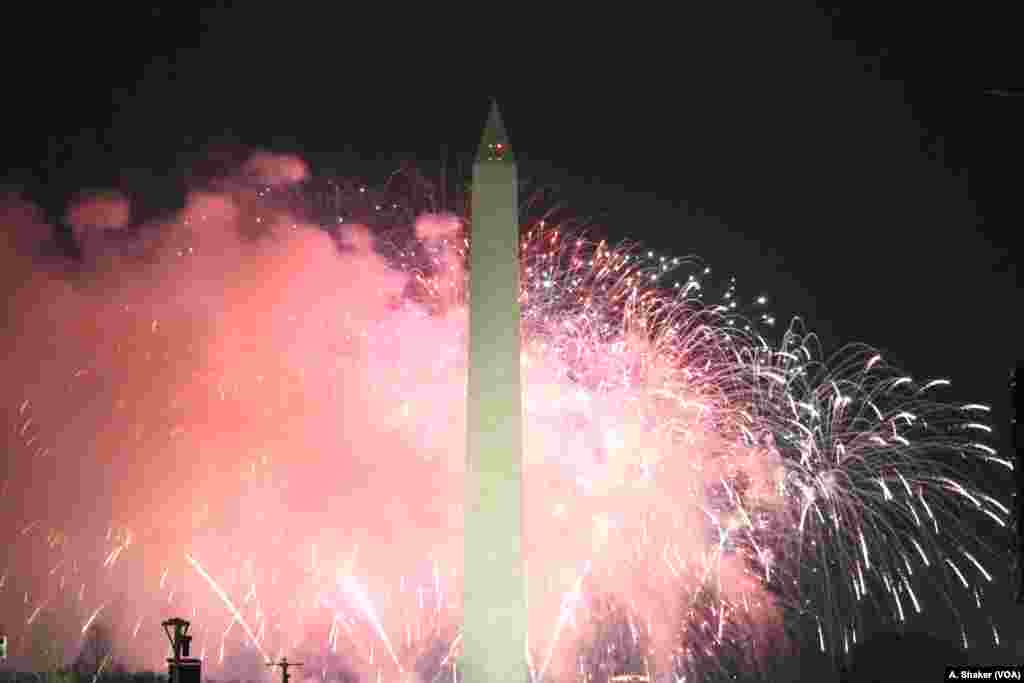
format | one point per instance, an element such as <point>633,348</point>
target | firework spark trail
<point>92,617</point>
<point>569,604</point>
<point>358,595</point>
<point>236,615</point>
<point>103,665</point>
<point>310,389</point>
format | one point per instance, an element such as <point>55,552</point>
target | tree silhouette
<point>244,662</point>
<point>45,649</point>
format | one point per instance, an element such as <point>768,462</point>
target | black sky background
<point>849,163</point>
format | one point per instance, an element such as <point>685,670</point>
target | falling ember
<point>102,666</point>
<point>237,616</point>
<point>35,613</point>
<point>92,617</point>
<point>988,577</point>
<point>959,574</point>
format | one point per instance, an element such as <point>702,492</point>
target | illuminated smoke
<point>239,389</point>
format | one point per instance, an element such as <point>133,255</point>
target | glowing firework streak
<point>35,612</point>
<point>103,665</point>
<point>451,651</point>
<point>569,603</point>
<point>354,591</point>
<point>227,602</point>
<point>112,557</point>
<point>88,622</point>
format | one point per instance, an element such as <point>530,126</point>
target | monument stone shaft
<point>494,593</point>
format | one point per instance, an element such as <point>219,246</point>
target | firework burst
<point>255,419</point>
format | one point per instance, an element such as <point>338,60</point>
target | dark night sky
<point>848,163</point>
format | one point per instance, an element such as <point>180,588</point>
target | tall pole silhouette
<point>284,665</point>
<point>494,595</point>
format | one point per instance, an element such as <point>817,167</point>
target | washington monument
<point>494,593</point>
